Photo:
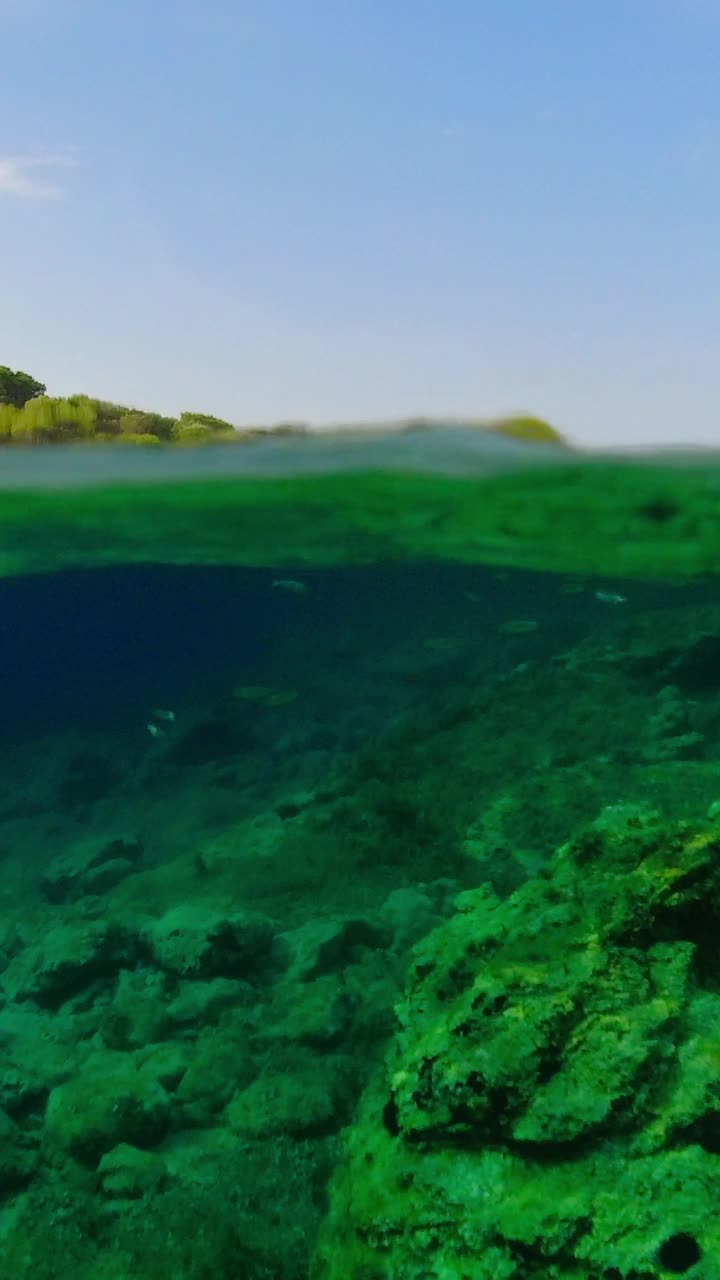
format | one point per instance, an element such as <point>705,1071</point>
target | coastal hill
<point>29,416</point>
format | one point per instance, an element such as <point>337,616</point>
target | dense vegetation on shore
<point>29,416</point>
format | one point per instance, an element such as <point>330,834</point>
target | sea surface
<point>360,839</point>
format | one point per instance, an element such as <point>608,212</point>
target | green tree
<point>204,420</point>
<point>49,420</point>
<point>202,426</point>
<point>527,427</point>
<point>135,422</point>
<point>17,388</point>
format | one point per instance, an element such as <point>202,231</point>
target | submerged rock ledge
<point>550,1106</point>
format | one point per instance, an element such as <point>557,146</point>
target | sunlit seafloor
<point>360,836</point>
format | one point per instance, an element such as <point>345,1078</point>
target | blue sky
<point>349,209</point>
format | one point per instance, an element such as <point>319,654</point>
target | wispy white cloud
<point>33,177</point>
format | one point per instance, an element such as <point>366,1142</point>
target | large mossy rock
<point>110,1102</point>
<point>550,1106</point>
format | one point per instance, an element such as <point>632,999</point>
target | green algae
<point>549,1106</point>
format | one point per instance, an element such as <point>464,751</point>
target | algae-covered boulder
<point>195,941</point>
<point>137,1014</point>
<point>127,1173</point>
<point>111,1101</point>
<point>70,958</point>
<point>550,1106</point>
<point>328,945</point>
<point>89,868</point>
<point>221,1061</point>
<point>17,1156</point>
<point>316,1013</point>
<point>201,1002</point>
<point>305,1100</point>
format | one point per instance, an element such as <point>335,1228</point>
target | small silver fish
<point>161,713</point>
<point>610,597</point>
<point>290,584</point>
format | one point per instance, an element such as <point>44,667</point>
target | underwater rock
<point>69,958</point>
<point>326,946</point>
<point>41,1048</point>
<point>167,1062</point>
<point>409,914</point>
<point>551,1103</point>
<point>695,668</point>
<point>196,941</point>
<point>203,1002</point>
<point>294,1102</point>
<point>20,1089</point>
<point>685,746</point>
<point>137,1015</point>
<point>316,1013</point>
<point>220,1063</point>
<point>17,1158</point>
<point>108,1102</point>
<point>101,879</point>
<point>127,1173</point>
<point>88,869</point>
<point>669,732</point>
<point>11,942</point>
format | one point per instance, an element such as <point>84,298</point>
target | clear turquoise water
<point>252,792</point>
